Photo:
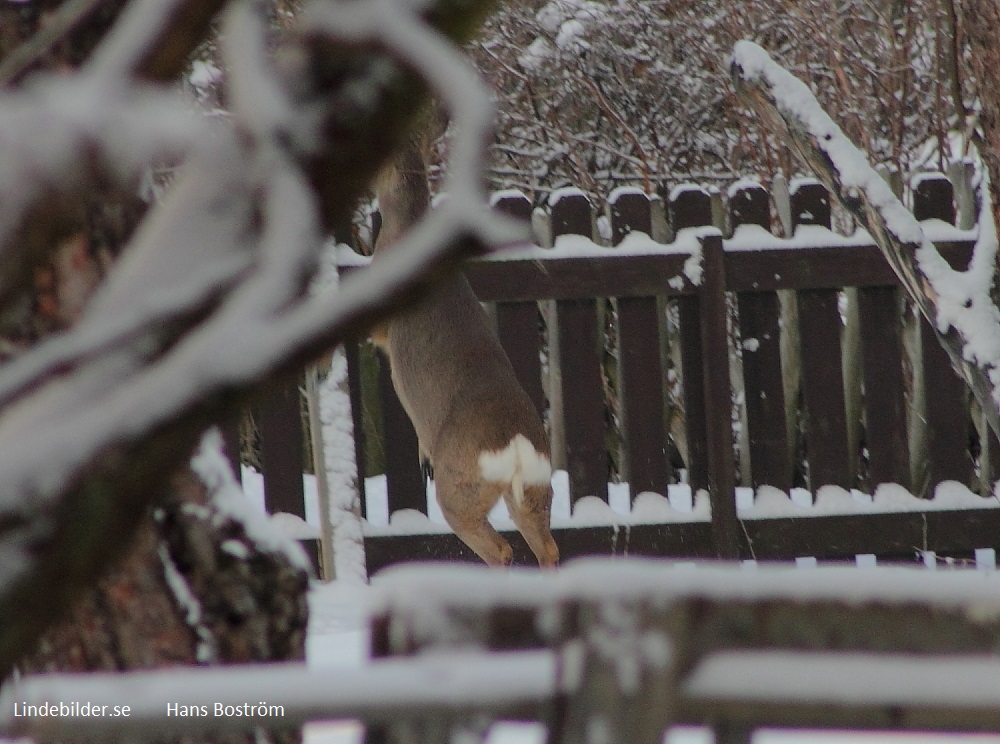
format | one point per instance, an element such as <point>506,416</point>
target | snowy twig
<point>956,304</point>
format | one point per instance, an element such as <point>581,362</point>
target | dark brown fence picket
<point>279,420</point>
<point>518,322</point>
<point>946,396</point>
<point>581,378</point>
<point>642,380</point>
<point>760,336</point>
<point>692,207</point>
<point>884,396</point>
<point>404,481</point>
<point>822,375</point>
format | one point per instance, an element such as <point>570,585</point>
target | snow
<point>566,192</point>
<point>342,472</point>
<point>742,184</point>
<point>498,196</point>
<point>536,55</point>
<point>818,678</point>
<point>679,506</point>
<point>205,652</point>
<point>622,191</point>
<point>204,74</point>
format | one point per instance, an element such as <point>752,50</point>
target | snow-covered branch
<point>957,304</point>
<point>97,415</point>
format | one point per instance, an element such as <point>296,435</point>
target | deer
<point>476,427</point>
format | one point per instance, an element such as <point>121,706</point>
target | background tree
<point>600,94</point>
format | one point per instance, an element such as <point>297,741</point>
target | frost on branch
<point>957,304</point>
<point>210,297</point>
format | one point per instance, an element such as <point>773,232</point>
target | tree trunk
<point>197,586</point>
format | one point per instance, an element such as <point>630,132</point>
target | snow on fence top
<point>741,234</point>
<point>415,590</point>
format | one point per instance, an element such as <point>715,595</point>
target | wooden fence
<point>640,646</point>
<point>837,382</point>
<point>608,650</point>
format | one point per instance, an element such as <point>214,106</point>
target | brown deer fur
<point>475,423</point>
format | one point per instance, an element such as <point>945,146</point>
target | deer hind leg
<point>465,506</point>
<point>530,515</point>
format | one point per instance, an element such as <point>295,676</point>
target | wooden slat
<point>693,391</point>
<point>933,199</point>
<point>641,372</point>
<point>517,329</point>
<point>823,267</point>
<point>760,335</point>
<point>760,332</point>
<point>885,403</point>
<point>576,278</point>
<point>583,399</point>
<point>579,358</point>
<point>642,395</point>
<point>230,431</point>
<point>617,275</point>
<point>282,459</point>
<point>823,389</point>
<point>404,481</point>
<point>692,208</point>
<point>947,413</point>
<point>822,375</point>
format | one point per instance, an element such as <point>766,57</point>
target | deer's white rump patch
<point>519,464</point>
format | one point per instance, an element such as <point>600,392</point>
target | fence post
<point>640,369</point>
<point>707,388</point>
<point>718,399</point>
<point>620,674</point>
<point>579,352</point>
